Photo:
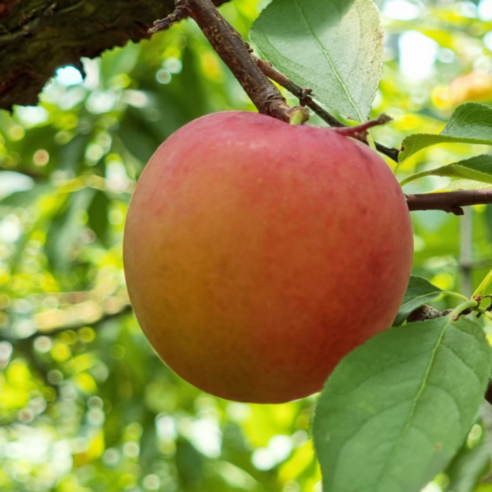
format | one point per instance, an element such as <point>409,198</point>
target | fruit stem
<point>359,132</point>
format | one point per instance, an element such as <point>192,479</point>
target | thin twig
<point>304,96</point>
<point>360,131</point>
<point>181,12</point>
<point>236,54</point>
<point>488,394</point>
<point>451,202</point>
<point>390,152</point>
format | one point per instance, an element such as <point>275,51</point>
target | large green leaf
<point>398,408</point>
<point>332,46</point>
<point>470,123</point>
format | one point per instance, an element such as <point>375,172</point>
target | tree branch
<point>302,94</point>
<point>38,36</point>
<point>306,100</point>
<point>236,54</point>
<point>451,202</point>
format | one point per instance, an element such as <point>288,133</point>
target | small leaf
<point>334,47</point>
<point>189,463</point>
<point>398,408</point>
<point>419,292</point>
<point>65,227</point>
<point>470,123</point>
<point>477,168</point>
<point>465,184</point>
<point>98,216</point>
<point>484,285</point>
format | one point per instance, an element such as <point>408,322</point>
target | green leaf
<point>484,285</point>
<point>189,463</point>
<point>465,184</point>
<point>334,47</point>
<point>118,61</point>
<point>468,467</point>
<point>398,408</point>
<point>136,135</point>
<point>24,198</point>
<point>470,123</point>
<point>419,292</point>
<point>65,227</point>
<point>477,168</point>
<point>98,216</point>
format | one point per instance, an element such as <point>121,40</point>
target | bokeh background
<point>85,404</point>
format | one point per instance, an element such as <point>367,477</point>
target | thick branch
<point>237,56</point>
<point>450,202</point>
<point>38,36</point>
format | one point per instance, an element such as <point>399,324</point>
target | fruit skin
<point>257,254</point>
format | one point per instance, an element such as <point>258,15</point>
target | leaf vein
<point>329,60</point>
<point>417,397</point>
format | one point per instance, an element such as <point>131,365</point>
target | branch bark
<point>236,54</point>
<point>451,202</point>
<point>39,36</point>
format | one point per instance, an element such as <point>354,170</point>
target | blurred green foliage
<point>85,404</point>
